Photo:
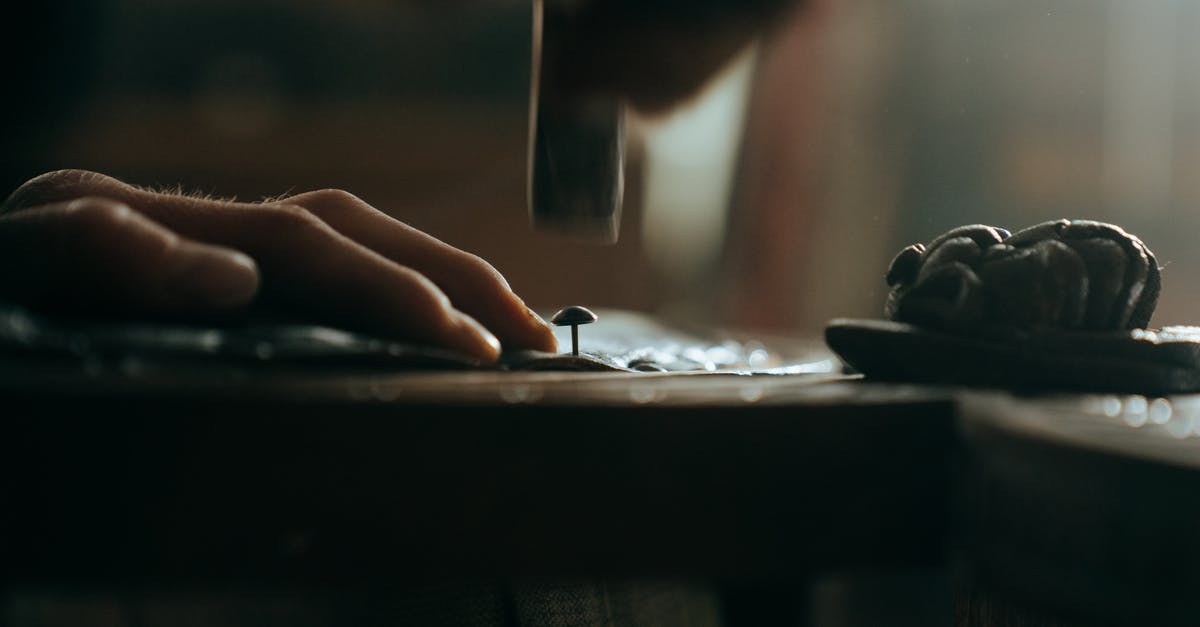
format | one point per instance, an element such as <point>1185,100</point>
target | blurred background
<point>772,200</point>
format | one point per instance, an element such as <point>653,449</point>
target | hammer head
<point>576,141</point>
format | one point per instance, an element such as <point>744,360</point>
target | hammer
<point>576,140</point>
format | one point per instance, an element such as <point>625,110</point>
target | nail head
<point>573,315</point>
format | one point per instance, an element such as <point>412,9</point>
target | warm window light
<point>690,159</point>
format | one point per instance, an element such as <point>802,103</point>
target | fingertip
<point>244,279</point>
<point>541,335</point>
<point>520,327</point>
<point>475,340</point>
<point>213,276</point>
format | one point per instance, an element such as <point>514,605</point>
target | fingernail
<point>216,277</point>
<point>537,317</point>
<point>482,343</point>
<point>550,341</point>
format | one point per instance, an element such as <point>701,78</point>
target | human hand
<point>81,241</point>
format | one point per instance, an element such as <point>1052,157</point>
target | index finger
<point>471,284</point>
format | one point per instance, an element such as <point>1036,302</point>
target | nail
<point>573,316</point>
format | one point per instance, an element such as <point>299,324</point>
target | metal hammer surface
<point>576,140</point>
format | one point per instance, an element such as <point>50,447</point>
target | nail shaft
<point>573,316</point>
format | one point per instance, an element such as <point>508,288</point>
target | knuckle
<point>333,197</point>
<point>98,215</point>
<point>324,201</point>
<point>485,272</point>
<point>54,186</point>
<point>426,292</point>
<point>290,220</point>
<point>483,268</point>
<point>470,278</point>
<point>99,224</point>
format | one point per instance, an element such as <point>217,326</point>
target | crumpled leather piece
<point>1136,361</point>
<point>1061,305</point>
<point>1064,274</point>
<point>24,333</point>
<point>621,342</point>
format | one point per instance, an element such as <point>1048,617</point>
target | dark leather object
<point>1137,361</point>
<point>621,342</point>
<point>26,334</point>
<point>1064,274</point>
<point>1058,305</point>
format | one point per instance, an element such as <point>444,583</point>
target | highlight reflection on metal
<point>576,142</point>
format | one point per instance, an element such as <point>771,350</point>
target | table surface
<point>1086,503</point>
<point>306,475</point>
